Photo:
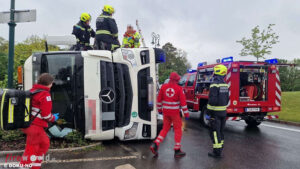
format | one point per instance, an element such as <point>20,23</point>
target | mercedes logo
<point>107,95</point>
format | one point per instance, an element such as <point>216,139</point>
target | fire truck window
<point>191,80</point>
<point>203,81</point>
<point>253,83</point>
<point>183,80</point>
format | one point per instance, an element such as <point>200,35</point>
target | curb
<point>285,122</point>
<point>53,150</point>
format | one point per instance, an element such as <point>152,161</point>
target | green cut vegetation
<point>290,107</point>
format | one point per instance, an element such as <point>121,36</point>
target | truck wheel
<point>203,120</point>
<point>252,122</point>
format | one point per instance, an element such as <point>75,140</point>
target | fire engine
<point>101,93</point>
<point>254,89</point>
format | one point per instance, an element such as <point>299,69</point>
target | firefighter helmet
<point>109,9</point>
<point>220,70</point>
<point>85,17</point>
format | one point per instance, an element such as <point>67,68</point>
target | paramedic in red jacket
<point>37,141</point>
<point>169,101</point>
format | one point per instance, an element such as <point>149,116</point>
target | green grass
<point>290,107</point>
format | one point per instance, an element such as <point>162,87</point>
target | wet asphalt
<point>269,146</point>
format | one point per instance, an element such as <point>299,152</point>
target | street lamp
<point>155,40</point>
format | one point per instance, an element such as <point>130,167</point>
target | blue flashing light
<point>191,71</point>
<point>202,64</point>
<point>228,59</point>
<point>271,61</point>
<point>162,57</point>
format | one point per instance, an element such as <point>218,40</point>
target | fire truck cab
<point>254,89</point>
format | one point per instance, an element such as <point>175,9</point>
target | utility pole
<point>12,24</point>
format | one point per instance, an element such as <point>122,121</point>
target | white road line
<point>282,128</point>
<point>83,160</point>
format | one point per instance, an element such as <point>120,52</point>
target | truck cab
<point>102,94</point>
<point>254,89</point>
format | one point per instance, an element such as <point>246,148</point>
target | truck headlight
<point>129,56</point>
<point>131,133</point>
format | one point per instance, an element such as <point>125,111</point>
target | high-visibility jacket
<point>83,33</point>
<point>41,102</point>
<point>131,40</point>
<point>171,99</point>
<point>106,28</point>
<point>218,96</point>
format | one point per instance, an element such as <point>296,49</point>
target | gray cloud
<point>207,30</point>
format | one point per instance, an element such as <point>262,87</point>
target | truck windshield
<point>61,67</point>
<point>253,83</point>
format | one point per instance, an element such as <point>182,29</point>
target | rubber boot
<point>154,149</point>
<point>179,153</point>
<point>216,153</point>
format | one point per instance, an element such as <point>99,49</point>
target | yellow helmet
<point>109,9</point>
<point>220,70</point>
<point>85,17</point>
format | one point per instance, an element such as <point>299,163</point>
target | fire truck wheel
<point>252,122</point>
<point>204,122</point>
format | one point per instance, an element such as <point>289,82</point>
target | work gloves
<point>187,116</point>
<point>56,115</point>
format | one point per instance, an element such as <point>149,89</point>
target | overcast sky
<point>206,30</point>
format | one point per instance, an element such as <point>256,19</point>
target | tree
<point>289,75</point>
<point>260,43</point>
<point>175,61</point>
<point>22,51</point>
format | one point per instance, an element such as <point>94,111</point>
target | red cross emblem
<point>170,92</point>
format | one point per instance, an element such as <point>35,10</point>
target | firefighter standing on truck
<point>106,30</point>
<point>131,38</point>
<point>83,32</point>
<point>169,101</point>
<point>37,141</point>
<point>217,103</point>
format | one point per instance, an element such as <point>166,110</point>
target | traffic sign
<point>20,16</point>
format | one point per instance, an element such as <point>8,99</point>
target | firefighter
<point>169,101</point>
<point>83,32</point>
<point>131,38</point>
<point>106,30</point>
<point>37,141</point>
<point>217,103</point>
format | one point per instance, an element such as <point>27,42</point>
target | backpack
<point>15,108</point>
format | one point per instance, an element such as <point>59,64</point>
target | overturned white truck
<point>102,94</point>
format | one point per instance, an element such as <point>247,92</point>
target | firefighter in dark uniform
<point>83,32</point>
<point>106,30</point>
<point>217,104</point>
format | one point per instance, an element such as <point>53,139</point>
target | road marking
<point>82,160</point>
<point>283,128</point>
<point>126,166</point>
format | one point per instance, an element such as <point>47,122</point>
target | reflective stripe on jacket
<point>218,95</point>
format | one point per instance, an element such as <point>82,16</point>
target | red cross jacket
<point>170,99</point>
<point>42,102</point>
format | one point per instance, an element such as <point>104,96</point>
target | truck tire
<point>204,122</point>
<point>252,122</point>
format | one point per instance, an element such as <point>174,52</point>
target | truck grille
<point>124,94</point>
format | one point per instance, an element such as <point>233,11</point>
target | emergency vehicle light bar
<point>271,61</point>
<point>191,71</point>
<point>202,64</point>
<point>228,59</point>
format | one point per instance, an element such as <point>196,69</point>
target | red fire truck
<point>254,89</point>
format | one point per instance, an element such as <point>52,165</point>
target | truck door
<point>190,90</point>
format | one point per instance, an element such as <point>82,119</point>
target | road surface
<point>270,146</point>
